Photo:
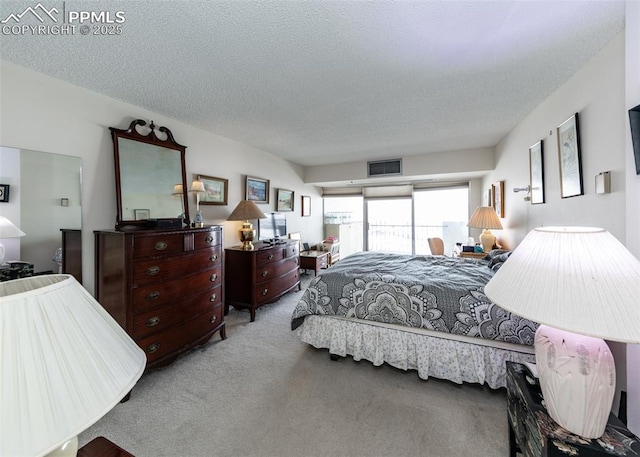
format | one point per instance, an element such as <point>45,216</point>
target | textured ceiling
<point>322,82</point>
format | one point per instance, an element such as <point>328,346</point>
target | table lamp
<point>582,285</point>
<point>197,187</point>
<point>245,211</point>
<point>7,230</point>
<point>178,193</point>
<point>64,363</point>
<point>485,217</point>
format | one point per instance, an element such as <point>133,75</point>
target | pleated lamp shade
<point>578,279</point>
<point>64,363</point>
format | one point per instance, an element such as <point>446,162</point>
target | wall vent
<point>384,168</point>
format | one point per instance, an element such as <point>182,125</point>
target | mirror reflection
<point>44,199</point>
<point>150,176</point>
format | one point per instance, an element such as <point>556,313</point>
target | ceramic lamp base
<point>68,449</point>
<point>577,378</point>
<point>488,240</point>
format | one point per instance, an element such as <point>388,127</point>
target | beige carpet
<point>262,392</point>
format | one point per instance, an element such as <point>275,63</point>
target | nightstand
<point>473,255</point>
<point>533,433</point>
<point>102,447</point>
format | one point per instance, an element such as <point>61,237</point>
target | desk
<point>533,433</point>
<point>102,447</point>
<point>314,260</point>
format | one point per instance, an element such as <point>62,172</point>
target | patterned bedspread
<point>431,292</point>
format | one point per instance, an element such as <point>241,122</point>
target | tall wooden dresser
<point>255,278</point>
<point>164,287</point>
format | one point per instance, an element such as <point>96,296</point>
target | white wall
<point>44,114</point>
<point>596,92</point>
<point>632,87</point>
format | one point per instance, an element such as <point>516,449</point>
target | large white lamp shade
<point>64,363</point>
<point>584,286</point>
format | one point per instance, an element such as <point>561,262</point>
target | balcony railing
<point>397,238</point>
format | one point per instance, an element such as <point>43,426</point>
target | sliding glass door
<point>389,225</point>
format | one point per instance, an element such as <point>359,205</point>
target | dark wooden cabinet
<point>255,278</point>
<point>164,287</point>
<point>72,253</point>
<point>533,433</point>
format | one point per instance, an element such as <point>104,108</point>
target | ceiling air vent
<point>384,168</point>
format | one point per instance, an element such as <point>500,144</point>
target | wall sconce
<point>526,189</point>
<point>603,183</point>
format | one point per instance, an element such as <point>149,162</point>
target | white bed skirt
<point>452,358</point>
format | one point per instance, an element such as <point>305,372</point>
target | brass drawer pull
<point>265,273</point>
<point>213,277</point>
<point>214,257</point>
<point>160,246</point>
<point>213,319</point>
<point>270,256</point>
<point>153,348</point>
<point>153,321</point>
<point>153,295</point>
<point>209,239</point>
<point>152,271</point>
<point>264,292</point>
<point>213,297</point>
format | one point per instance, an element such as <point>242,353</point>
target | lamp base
<point>247,235</point>
<point>488,240</point>
<point>578,380</point>
<point>68,449</point>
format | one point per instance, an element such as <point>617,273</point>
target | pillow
<point>493,253</point>
<point>496,262</point>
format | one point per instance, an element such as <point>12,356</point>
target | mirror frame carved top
<point>151,138</point>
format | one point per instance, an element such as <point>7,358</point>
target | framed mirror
<point>150,176</point>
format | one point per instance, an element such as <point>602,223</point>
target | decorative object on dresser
<point>164,287</point>
<point>7,230</point>
<point>197,187</point>
<point>65,364</point>
<point>583,280</point>
<point>216,190</point>
<point>246,211</point>
<point>285,200</point>
<point>256,190</point>
<point>485,217</point>
<point>255,278</point>
<point>569,156</point>
<point>146,167</point>
<point>533,433</point>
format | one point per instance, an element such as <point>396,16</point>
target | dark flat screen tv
<point>634,121</point>
<point>273,227</point>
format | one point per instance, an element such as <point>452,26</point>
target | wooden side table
<point>314,260</point>
<point>533,433</point>
<point>102,447</point>
<point>473,255</point>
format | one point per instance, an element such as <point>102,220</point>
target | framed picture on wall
<point>536,173</point>
<point>257,190</point>
<point>215,190</point>
<point>306,205</point>
<point>4,193</point>
<point>284,200</point>
<point>487,199</point>
<point>498,197</point>
<point>569,158</point>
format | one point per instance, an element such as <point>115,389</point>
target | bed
<point>423,313</point>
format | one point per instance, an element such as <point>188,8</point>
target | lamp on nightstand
<point>246,211</point>
<point>485,217</point>
<point>583,285</point>
<point>197,187</point>
<point>64,363</point>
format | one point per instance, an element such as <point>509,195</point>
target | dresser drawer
<point>149,322</point>
<point>266,292</point>
<point>292,250</point>
<point>269,255</point>
<point>272,270</point>
<point>180,337</point>
<point>161,269</point>
<point>155,245</point>
<point>163,293</point>
<point>202,240</point>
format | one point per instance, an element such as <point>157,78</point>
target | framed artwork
<point>497,193</point>
<point>215,190</point>
<point>569,158</point>
<point>141,214</point>
<point>306,206</point>
<point>257,190</point>
<point>4,193</point>
<point>487,199</point>
<point>536,173</point>
<point>284,200</point>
